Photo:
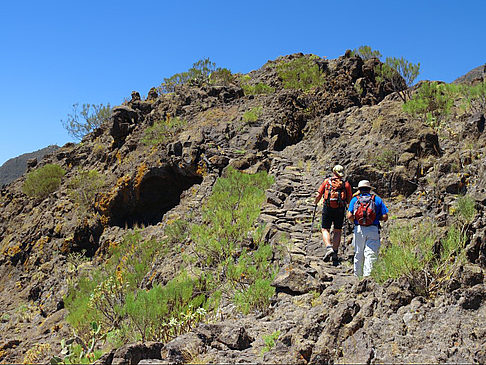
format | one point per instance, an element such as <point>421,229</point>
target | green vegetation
<point>84,186</point>
<point>432,103</point>
<point>255,89</point>
<point>229,217</point>
<point>385,159</point>
<point>162,131</point>
<point>366,53</point>
<point>43,181</point>
<point>424,256</point>
<point>301,73</point>
<point>252,115</point>
<point>270,341</point>
<point>474,97</point>
<point>397,71</point>
<point>79,352</point>
<point>201,72</point>
<point>83,121</point>
<point>228,257</point>
<point>221,76</point>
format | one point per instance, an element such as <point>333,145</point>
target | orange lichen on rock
<point>141,171</point>
<point>104,201</point>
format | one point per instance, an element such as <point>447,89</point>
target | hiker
<point>336,193</point>
<point>366,210</point>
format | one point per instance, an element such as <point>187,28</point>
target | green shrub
<point>466,209</point>
<point>84,186</point>
<point>229,214</point>
<point>165,312</point>
<point>301,73</point>
<point>421,255</point>
<point>202,71</point>
<point>101,294</point>
<point>474,97</point>
<point>432,103</point>
<point>229,217</point>
<point>43,181</point>
<point>254,89</point>
<point>252,115</point>
<point>400,72</point>
<point>83,121</point>
<point>385,159</point>
<point>163,131</point>
<point>409,253</point>
<point>270,341</point>
<point>221,76</point>
<point>366,53</point>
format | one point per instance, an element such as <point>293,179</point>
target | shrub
<point>466,209</point>
<point>301,73</point>
<point>474,97</point>
<point>229,214</point>
<point>229,217</point>
<point>84,186</point>
<point>366,53</point>
<point>270,341</point>
<point>100,295</point>
<point>419,253</point>
<point>221,76</point>
<point>43,181</point>
<point>83,121</point>
<point>432,103</point>
<point>400,72</point>
<point>164,312</point>
<point>202,71</point>
<point>385,159</point>
<point>255,89</point>
<point>252,115</point>
<point>162,131</point>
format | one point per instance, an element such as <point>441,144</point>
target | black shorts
<point>332,215</point>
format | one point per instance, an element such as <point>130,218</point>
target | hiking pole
<point>312,224</point>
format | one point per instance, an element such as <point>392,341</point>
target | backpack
<point>365,210</point>
<point>335,192</point>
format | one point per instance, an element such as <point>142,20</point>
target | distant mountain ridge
<point>473,75</point>
<point>16,167</point>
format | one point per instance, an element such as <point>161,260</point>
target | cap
<point>338,170</point>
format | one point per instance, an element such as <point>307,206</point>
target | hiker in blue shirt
<point>366,210</point>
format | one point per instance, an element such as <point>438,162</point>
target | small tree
<point>199,73</point>
<point>83,121</point>
<point>366,53</point>
<point>400,73</point>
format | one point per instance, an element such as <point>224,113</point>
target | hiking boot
<point>328,255</point>
<point>334,258</point>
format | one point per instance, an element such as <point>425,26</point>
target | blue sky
<point>57,53</point>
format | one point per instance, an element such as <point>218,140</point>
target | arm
<point>349,192</point>
<point>350,216</point>
<point>320,192</point>
<point>384,217</point>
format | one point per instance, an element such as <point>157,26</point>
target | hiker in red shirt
<point>337,194</point>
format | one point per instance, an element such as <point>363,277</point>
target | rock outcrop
<point>322,313</point>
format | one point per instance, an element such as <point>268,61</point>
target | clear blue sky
<point>56,53</point>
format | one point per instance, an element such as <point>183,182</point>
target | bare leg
<point>326,237</point>
<point>336,239</point>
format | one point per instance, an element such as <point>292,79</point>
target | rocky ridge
<point>16,167</point>
<point>321,311</point>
